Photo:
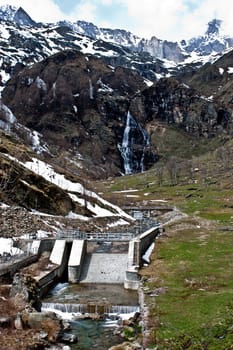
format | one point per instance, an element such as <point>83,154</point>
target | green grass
<point>198,276</point>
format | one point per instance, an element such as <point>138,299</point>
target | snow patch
<point>118,223</point>
<point>72,215</point>
<point>149,83</point>
<point>36,143</point>
<point>48,173</point>
<point>221,71</point>
<point>6,246</point>
<point>41,84</point>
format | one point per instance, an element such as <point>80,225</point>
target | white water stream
<point>133,135</point>
<point>77,302</point>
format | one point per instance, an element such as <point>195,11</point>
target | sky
<point>172,20</point>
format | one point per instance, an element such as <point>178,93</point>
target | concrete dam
<point>102,258</point>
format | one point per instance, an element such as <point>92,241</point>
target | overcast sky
<point>166,19</point>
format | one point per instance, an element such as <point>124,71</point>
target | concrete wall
<point>46,281</point>
<point>60,255</point>
<point>75,262</point>
<point>146,239</point>
<point>18,264</point>
<point>137,247</point>
<point>46,245</point>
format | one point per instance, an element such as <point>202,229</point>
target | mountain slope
<point>24,41</point>
<point>78,103</point>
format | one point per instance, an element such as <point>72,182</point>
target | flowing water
<point>134,143</point>
<point>112,302</point>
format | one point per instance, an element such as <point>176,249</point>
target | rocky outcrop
<point>176,103</point>
<point>20,186</point>
<point>79,103</point>
<point>162,49</point>
<point>26,287</point>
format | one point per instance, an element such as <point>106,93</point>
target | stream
<point>74,301</point>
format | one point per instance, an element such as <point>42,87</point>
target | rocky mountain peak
<point>213,27</point>
<point>16,14</point>
<point>209,44</point>
<point>155,48</point>
<point>7,12</point>
<point>21,17</point>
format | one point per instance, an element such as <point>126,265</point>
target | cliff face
<point>175,103</point>
<point>76,102</point>
<point>80,105</point>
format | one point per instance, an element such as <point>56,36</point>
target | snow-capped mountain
<point>16,15</point>
<point>23,41</point>
<point>26,44</point>
<point>88,101</point>
<point>212,42</point>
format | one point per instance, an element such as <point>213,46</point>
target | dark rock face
<point>76,102</point>
<point>21,17</point>
<point>178,104</point>
<point>32,191</point>
<point>213,27</point>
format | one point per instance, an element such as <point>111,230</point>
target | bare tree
<point>173,170</point>
<point>223,155</point>
<point>160,174</point>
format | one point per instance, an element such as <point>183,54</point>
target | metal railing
<point>8,258</point>
<point>96,236</point>
<point>140,227</point>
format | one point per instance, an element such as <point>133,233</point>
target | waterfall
<point>65,308</point>
<point>78,309</point>
<point>91,89</point>
<point>133,146</point>
<point>146,143</point>
<point>125,147</point>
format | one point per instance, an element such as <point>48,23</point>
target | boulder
<point>69,338</point>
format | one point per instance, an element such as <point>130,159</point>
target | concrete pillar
<point>59,255</point>
<point>75,262</point>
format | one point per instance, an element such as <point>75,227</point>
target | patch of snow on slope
<point>47,172</point>
<point>41,84</point>
<point>72,215</point>
<point>221,71</point>
<point>6,246</point>
<point>36,143</point>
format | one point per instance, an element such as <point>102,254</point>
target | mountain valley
<point>94,121</point>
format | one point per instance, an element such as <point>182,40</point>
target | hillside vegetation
<point>188,285</point>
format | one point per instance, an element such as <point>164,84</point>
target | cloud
<point>165,19</point>
<point>174,20</point>
<point>39,10</point>
<point>85,10</point>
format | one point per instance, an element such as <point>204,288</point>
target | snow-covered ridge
<point>75,190</point>
<point>43,39</point>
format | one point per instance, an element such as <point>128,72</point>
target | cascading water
<point>146,143</point>
<point>77,302</point>
<point>91,89</point>
<point>125,148</point>
<point>133,146</point>
<point>78,309</point>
